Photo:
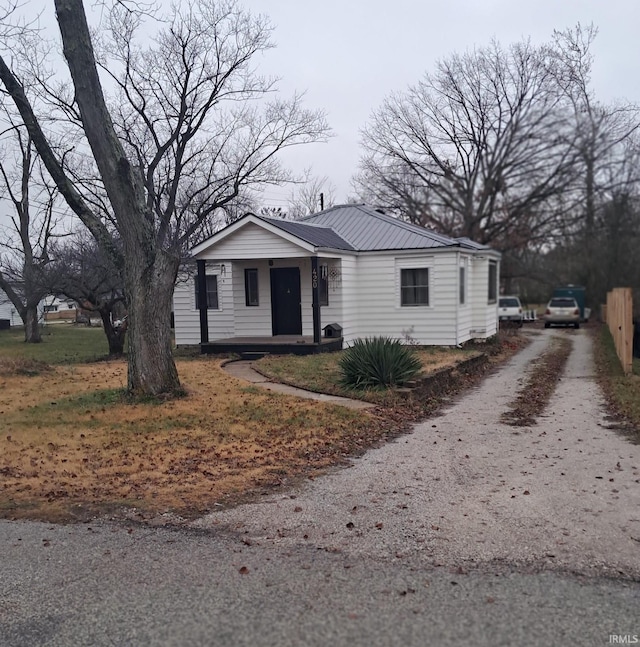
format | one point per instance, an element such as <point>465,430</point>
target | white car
<point>510,310</point>
<point>562,311</point>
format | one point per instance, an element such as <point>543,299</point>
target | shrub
<point>378,361</point>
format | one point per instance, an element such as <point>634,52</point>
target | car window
<point>509,303</point>
<point>563,302</point>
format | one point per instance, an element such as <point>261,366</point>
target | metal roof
<point>369,230</point>
<point>356,228</point>
<point>316,235</point>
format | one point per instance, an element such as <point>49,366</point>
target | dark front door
<point>286,311</point>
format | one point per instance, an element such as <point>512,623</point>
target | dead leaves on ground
<point>539,385</point>
<point>70,440</point>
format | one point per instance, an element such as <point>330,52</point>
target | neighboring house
<point>7,312</point>
<point>49,308</point>
<point>57,308</point>
<point>263,280</point>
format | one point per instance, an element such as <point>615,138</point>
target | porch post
<point>315,298</point>
<point>202,302</point>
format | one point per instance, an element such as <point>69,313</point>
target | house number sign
<point>314,278</point>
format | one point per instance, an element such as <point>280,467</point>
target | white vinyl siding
<point>484,322</point>
<point>252,242</point>
<point>187,318</point>
<point>252,321</point>
<point>377,291</point>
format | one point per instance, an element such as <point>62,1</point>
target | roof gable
<point>310,237</point>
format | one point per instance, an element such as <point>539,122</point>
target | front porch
<point>278,345</point>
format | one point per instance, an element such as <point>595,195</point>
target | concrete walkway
<point>244,370</point>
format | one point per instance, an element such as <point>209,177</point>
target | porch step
<point>250,355</point>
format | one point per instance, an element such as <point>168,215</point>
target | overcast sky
<point>350,54</point>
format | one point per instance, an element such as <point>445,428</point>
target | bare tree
<point>394,188</point>
<point>481,144</point>
<point>189,129</point>
<point>25,242</point>
<point>311,195</point>
<point>606,153</point>
<point>81,271</point>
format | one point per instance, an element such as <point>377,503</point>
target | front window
<point>251,297</point>
<point>212,292</point>
<point>323,285</point>
<point>414,287</point>
<point>493,282</point>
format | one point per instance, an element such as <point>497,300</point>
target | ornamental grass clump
<point>378,362</point>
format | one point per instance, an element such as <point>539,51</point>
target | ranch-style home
<point>265,284</point>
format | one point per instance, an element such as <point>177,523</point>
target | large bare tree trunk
<point>31,328</point>
<point>149,271</point>
<point>149,294</point>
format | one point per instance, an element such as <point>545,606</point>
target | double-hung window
<point>212,292</point>
<point>414,286</point>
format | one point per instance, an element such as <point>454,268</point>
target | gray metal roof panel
<point>367,229</point>
<point>315,234</point>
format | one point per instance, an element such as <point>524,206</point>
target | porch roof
<point>316,235</point>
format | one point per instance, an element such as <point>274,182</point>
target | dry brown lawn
<point>71,447</point>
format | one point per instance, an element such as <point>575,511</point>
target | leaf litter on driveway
<point>465,489</point>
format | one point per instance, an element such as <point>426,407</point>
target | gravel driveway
<point>465,490</point>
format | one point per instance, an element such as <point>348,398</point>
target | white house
<point>7,312</point>
<point>49,308</point>
<point>264,281</point>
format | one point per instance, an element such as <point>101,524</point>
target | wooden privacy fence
<point>619,317</point>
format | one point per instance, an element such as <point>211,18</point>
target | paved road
<point>331,567</point>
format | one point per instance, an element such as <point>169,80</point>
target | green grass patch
<point>622,391</point>
<point>61,344</point>
<point>321,373</point>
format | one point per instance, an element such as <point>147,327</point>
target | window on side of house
<point>212,292</point>
<point>251,297</point>
<point>463,285</point>
<point>323,285</point>
<point>414,287</point>
<point>493,282</point>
